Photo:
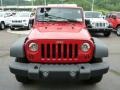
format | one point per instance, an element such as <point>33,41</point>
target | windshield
<point>59,14</point>
<point>22,14</point>
<point>93,15</point>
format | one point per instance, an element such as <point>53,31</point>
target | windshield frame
<point>81,11</point>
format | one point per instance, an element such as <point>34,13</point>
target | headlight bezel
<point>85,47</point>
<point>33,47</point>
<point>92,24</point>
<point>24,20</point>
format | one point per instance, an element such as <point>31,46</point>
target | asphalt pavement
<point>110,81</point>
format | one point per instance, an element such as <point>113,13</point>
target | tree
<point>104,5</point>
<point>14,2</point>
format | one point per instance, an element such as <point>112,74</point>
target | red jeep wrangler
<point>59,44</point>
<point>114,19</point>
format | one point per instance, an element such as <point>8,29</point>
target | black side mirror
<point>46,15</point>
<point>42,10</point>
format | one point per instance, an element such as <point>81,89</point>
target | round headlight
<point>33,47</point>
<point>93,23</point>
<point>24,20</point>
<point>85,47</point>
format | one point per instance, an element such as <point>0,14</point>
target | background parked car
<point>96,23</point>
<point>114,19</point>
<point>22,20</point>
<point>4,15</point>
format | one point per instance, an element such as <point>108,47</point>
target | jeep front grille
<point>100,25</point>
<point>59,51</point>
<point>16,21</point>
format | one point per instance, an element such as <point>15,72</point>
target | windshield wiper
<point>46,20</point>
<point>70,20</point>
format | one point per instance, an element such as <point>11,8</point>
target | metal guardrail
<point>19,7</point>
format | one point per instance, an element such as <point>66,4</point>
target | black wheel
<point>29,26</point>
<point>12,28</point>
<point>107,34</point>
<point>2,26</point>
<point>118,31</point>
<point>22,79</point>
<point>94,80</point>
<point>21,60</point>
<point>96,60</point>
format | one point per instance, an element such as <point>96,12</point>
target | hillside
<point>102,5</point>
<point>15,2</point>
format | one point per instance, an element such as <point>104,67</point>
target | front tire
<point>107,34</point>
<point>94,80</point>
<point>2,26</point>
<point>118,31</point>
<point>22,79</point>
<point>96,60</point>
<point>12,28</point>
<point>21,60</point>
<point>19,78</point>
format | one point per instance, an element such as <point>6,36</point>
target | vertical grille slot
<point>59,51</point>
<point>42,51</point>
<point>76,51</point>
<point>103,25</point>
<point>64,50</point>
<point>70,50</point>
<point>53,50</point>
<point>100,24</point>
<point>97,25</point>
<point>48,50</point>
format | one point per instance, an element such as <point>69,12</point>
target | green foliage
<point>111,5</point>
<point>15,2</point>
<point>100,5</point>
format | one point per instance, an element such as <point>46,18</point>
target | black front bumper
<point>100,30</point>
<point>18,26</point>
<point>37,71</point>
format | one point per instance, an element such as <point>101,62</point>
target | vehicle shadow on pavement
<point>63,84</point>
<point>20,29</point>
<point>98,35</point>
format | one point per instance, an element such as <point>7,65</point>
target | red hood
<point>59,26</point>
<point>59,31</point>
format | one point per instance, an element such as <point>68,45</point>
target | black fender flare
<point>101,49</point>
<point>17,49</point>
